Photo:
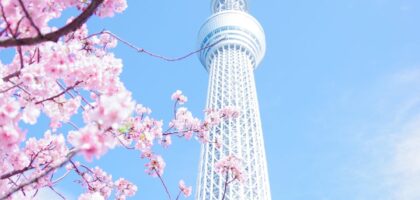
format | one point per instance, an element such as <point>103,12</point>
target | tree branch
<point>10,174</point>
<point>55,35</point>
<point>163,183</point>
<point>225,185</point>
<point>8,77</point>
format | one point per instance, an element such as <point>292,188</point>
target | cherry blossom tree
<point>65,72</point>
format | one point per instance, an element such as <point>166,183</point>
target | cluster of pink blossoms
<point>124,189</point>
<point>75,77</point>
<point>179,97</point>
<point>156,165</point>
<point>142,132</point>
<point>230,166</point>
<point>110,7</point>
<point>99,184</point>
<point>184,189</point>
<point>50,79</point>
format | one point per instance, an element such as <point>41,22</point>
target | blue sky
<point>338,92</point>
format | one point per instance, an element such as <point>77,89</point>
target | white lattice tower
<point>240,46</point>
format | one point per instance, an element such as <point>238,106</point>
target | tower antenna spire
<point>223,5</point>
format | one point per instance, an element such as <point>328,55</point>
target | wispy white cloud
<point>409,75</point>
<point>404,165</point>
<point>387,167</point>
<point>401,171</point>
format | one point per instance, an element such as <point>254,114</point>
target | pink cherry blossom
<point>229,112</point>
<point>109,7</point>
<point>203,137</point>
<point>230,165</point>
<point>218,142</point>
<point>146,153</point>
<point>10,109</point>
<point>124,189</point>
<point>10,135</point>
<point>98,180</point>
<point>91,141</point>
<point>19,160</point>
<point>166,141</point>
<point>49,149</point>
<point>107,41</point>
<point>188,134</point>
<point>184,189</point>
<point>177,96</point>
<point>184,120</point>
<point>140,110</point>
<point>112,110</point>
<point>30,114</point>
<point>156,166</point>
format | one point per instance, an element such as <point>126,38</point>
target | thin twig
<point>226,184</point>
<point>81,174</point>
<point>163,183</point>
<point>142,50</point>
<point>60,178</point>
<point>73,125</point>
<point>64,88</point>
<point>83,98</point>
<point>59,194</point>
<point>175,105</point>
<point>179,194</point>
<point>179,132</point>
<point>119,140</point>
<point>8,89</point>
<point>20,87</point>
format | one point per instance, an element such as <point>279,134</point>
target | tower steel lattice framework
<point>239,47</point>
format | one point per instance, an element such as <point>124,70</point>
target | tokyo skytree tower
<point>237,46</point>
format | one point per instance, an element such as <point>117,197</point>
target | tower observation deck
<point>237,43</point>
